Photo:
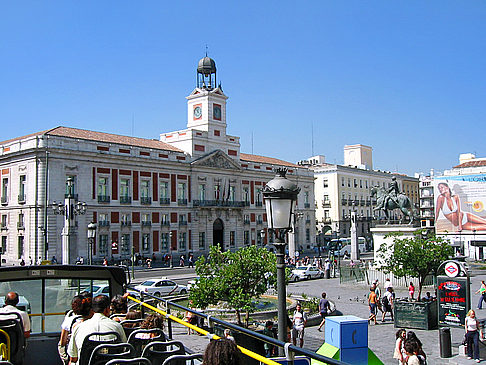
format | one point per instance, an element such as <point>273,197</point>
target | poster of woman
<point>460,203</point>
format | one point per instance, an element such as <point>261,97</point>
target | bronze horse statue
<point>401,201</point>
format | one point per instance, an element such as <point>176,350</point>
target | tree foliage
<point>416,257</point>
<point>234,277</point>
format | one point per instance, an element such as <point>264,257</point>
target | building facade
<point>340,189</point>
<point>177,195</point>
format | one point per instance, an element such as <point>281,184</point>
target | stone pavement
<point>351,299</point>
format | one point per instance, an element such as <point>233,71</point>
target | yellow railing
<point>204,332</point>
<point>5,349</point>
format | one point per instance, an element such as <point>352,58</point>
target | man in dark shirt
<point>324,309</point>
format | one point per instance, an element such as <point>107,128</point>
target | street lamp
<point>69,209</point>
<point>280,196</point>
<point>91,237</point>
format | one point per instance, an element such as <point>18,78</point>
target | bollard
<point>445,342</point>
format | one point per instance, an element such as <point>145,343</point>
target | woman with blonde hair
<point>471,326</point>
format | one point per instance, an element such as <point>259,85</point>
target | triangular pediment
<point>217,159</point>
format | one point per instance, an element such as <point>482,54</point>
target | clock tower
<point>206,117</point>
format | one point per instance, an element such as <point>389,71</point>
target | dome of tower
<point>206,66</point>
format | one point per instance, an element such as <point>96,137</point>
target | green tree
<point>416,257</point>
<point>234,277</point>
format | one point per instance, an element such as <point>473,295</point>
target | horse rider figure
<point>392,194</point>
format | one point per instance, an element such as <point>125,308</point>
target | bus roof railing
<point>289,349</point>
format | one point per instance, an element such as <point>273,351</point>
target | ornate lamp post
<point>280,196</point>
<point>91,237</point>
<point>70,209</point>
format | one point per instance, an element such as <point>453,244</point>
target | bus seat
<point>109,351</point>
<point>135,361</point>
<point>178,359</point>
<point>11,323</point>
<point>141,337</point>
<point>93,340</point>
<point>157,352</point>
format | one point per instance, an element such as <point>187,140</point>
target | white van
<point>346,246</point>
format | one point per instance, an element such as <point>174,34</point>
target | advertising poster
<point>460,203</point>
<point>453,300</point>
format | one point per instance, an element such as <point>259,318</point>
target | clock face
<point>217,112</point>
<point>197,112</point>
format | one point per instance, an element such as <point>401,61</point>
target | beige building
<point>178,195</point>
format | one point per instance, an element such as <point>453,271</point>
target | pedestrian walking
<point>376,284</point>
<point>298,325</point>
<point>372,305</point>
<point>482,294</point>
<point>387,284</point>
<point>472,335</point>
<point>411,291</point>
<point>190,260</point>
<point>387,303</point>
<point>182,261</point>
<point>327,268</point>
<point>324,310</point>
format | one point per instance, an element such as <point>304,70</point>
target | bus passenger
<point>11,300</point>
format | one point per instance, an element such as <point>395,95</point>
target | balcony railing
<point>104,199</point>
<point>126,223</point>
<point>326,204</point>
<point>20,225</point>
<point>246,203</point>
<point>362,202</point>
<point>3,226</point>
<point>146,223</point>
<point>4,199</point>
<point>259,204</point>
<point>145,200</point>
<point>306,205</point>
<point>259,221</point>
<point>368,203</point>
<point>21,198</point>
<point>182,201</point>
<point>165,223</point>
<point>125,199</point>
<point>344,201</point>
<point>182,223</point>
<point>218,203</point>
<point>246,221</point>
<point>103,223</point>
<point>164,201</point>
<point>326,220</point>
<point>307,221</point>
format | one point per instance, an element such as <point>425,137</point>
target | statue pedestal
<point>381,231</point>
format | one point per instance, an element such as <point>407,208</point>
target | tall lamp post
<point>280,196</point>
<point>91,237</point>
<point>70,209</point>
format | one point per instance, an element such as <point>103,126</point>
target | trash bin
<point>445,342</point>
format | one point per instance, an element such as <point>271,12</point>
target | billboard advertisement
<point>460,203</point>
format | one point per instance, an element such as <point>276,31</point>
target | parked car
<point>98,289</point>
<point>161,287</point>
<point>306,272</point>
<point>191,284</point>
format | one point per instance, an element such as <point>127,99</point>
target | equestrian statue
<point>391,198</point>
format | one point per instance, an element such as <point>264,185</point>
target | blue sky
<point>405,77</point>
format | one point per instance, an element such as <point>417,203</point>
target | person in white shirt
<point>472,335</point>
<point>299,322</point>
<point>98,323</point>
<point>11,300</point>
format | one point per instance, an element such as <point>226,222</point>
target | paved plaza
<point>350,299</point>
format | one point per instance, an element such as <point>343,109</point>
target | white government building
<point>180,194</point>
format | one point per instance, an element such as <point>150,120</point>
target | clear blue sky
<point>405,77</point>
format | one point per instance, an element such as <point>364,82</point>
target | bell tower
<point>206,106</point>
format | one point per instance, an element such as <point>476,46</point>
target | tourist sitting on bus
<point>98,323</point>
<point>222,352</point>
<point>11,300</point>
<point>150,322</point>
<point>80,309</point>
<point>119,307</point>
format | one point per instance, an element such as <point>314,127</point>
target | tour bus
<point>47,292</point>
<point>346,246</point>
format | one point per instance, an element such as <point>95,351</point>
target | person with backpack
<point>387,303</point>
<point>324,309</point>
